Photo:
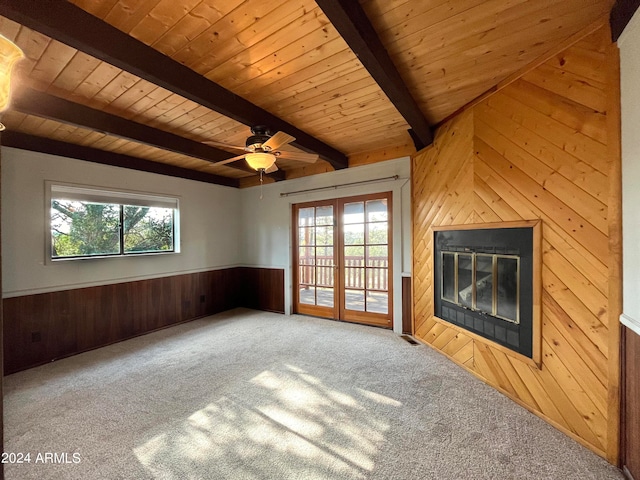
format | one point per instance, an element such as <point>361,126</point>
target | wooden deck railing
<point>377,270</point>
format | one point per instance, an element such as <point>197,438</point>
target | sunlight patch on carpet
<point>312,430</point>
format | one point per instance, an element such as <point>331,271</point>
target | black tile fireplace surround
<point>483,282</point>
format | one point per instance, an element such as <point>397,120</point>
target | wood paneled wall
<point>262,289</point>
<point>45,327</point>
<point>545,147</point>
<point>631,402</point>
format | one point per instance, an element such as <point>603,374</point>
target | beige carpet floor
<point>254,395</point>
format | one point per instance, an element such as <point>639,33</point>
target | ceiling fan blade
<point>228,160</point>
<point>271,169</point>
<point>277,140</point>
<point>299,156</point>
<point>223,145</point>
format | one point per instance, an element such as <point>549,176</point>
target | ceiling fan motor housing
<point>260,135</point>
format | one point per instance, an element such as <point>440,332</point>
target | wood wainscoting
<point>262,289</point>
<point>544,147</point>
<point>48,326</point>
<point>631,403</point>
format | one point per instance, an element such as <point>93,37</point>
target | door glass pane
<point>325,296</point>
<point>307,295</point>
<point>306,236</point>
<point>354,234</point>
<point>306,275</point>
<point>484,283</point>
<point>378,233</point>
<point>465,279</point>
<point>449,277</point>
<point>378,302</point>
<point>324,276</point>
<point>378,278</point>
<point>324,256</point>
<point>354,213</point>
<point>507,285</point>
<point>305,217</point>
<point>354,300</point>
<point>354,256</point>
<point>324,215</point>
<point>316,265</point>
<point>378,256</point>
<point>354,277</point>
<point>305,256</point>
<point>377,211</point>
<point>324,235</point>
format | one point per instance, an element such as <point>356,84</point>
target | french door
<point>342,259</point>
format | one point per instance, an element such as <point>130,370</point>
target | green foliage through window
<point>81,229</point>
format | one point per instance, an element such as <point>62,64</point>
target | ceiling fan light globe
<point>260,160</point>
<point>9,55</point>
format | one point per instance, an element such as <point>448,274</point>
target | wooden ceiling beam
<point>41,104</point>
<point>621,14</point>
<point>77,28</point>
<point>355,28</point>
<point>32,143</point>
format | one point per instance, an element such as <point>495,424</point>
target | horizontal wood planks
<point>537,149</point>
<point>44,327</point>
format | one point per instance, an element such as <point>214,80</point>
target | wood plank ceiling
<point>284,57</point>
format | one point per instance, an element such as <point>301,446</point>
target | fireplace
<point>484,283</point>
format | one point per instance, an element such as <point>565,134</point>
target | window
<point>86,222</point>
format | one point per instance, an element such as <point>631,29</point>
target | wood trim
<point>314,310</point>
<point>381,320</point>
<point>481,226</point>
<point>73,26</point>
<point>55,147</point>
<point>43,105</point>
<point>1,327</point>
<point>621,15</point>
<point>537,294</point>
<point>614,139</point>
<point>355,28</point>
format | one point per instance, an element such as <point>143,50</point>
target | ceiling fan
<point>263,149</point>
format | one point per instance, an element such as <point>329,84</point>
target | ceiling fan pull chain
<point>261,184</point>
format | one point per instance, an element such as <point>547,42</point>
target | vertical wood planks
<point>44,327</point>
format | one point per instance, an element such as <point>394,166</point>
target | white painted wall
<point>220,227</point>
<point>266,222</point>
<point>629,44</point>
<point>209,224</point>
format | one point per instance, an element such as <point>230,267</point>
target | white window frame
<point>87,193</point>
